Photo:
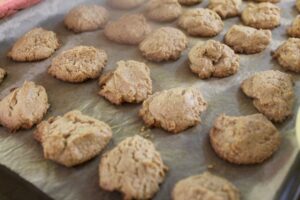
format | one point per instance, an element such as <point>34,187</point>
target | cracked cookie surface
<point>37,44</point>
<point>24,107</point>
<point>73,138</point>
<point>213,59</point>
<point>174,110</point>
<point>245,139</point>
<point>78,64</point>
<point>163,10</point>
<point>272,92</point>
<point>134,167</point>
<point>130,82</point>
<point>225,8</point>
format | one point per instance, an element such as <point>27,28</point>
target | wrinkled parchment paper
<point>186,154</point>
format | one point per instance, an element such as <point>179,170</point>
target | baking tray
<point>186,154</point>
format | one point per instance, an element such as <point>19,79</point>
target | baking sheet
<point>186,154</point>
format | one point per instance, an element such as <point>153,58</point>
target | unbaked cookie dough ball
<point>24,107</point>
<point>164,44</point>
<point>174,110</point>
<point>201,22</point>
<point>129,29</point>
<point>163,10</point>
<point>272,93</point>
<point>2,75</point>
<point>130,82</point>
<point>213,59</point>
<point>205,186</point>
<point>125,4</point>
<point>189,2</point>
<point>261,15</point>
<point>134,167</point>
<point>225,8</point>
<point>78,64</point>
<point>247,40</point>
<point>84,18</point>
<point>294,29</point>
<point>244,140</point>
<point>288,55</point>
<point>37,44</point>
<point>72,139</point>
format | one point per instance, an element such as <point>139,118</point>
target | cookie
<point>288,55</point>
<point>134,167</point>
<point>130,82</point>
<point>163,10</point>
<point>247,40</point>
<point>24,107</point>
<point>298,5</point>
<point>78,64</point>
<point>205,186</point>
<point>262,15</point>
<point>226,8</point>
<point>201,22</point>
<point>37,44</point>
<point>272,93</point>
<point>72,139</point>
<point>164,44</point>
<point>2,75</point>
<point>213,59</point>
<point>189,2</point>
<point>294,29</point>
<point>125,4</point>
<point>85,18</point>
<point>244,140</point>
<point>129,29</point>
<point>173,110</point>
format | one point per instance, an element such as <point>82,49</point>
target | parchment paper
<point>186,154</point>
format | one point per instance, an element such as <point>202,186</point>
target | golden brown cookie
<point>163,10</point>
<point>201,22</point>
<point>125,4</point>
<point>173,110</point>
<point>225,8</point>
<point>37,44</point>
<point>78,64</point>
<point>134,167</point>
<point>84,18</point>
<point>213,59</point>
<point>189,2</point>
<point>294,29</point>
<point>2,75</point>
<point>272,93</point>
<point>288,55</point>
<point>247,40</point>
<point>72,139</point>
<point>244,140</point>
<point>24,107</point>
<point>205,186</point>
<point>129,29</point>
<point>130,82</point>
<point>261,15</point>
<point>164,44</point>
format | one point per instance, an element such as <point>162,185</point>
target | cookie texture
<point>294,29</point>
<point>288,55</point>
<point>174,110</point>
<point>213,59</point>
<point>2,75</point>
<point>37,44</point>
<point>163,10</point>
<point>247,40</point>
<point>205,186</point>
<point>72,139</point>
<point>134,167</point>
<point>164,44</point>
<point>129,29</point>
<point>24,107</point>
<point>85,18</point>
<point>130,82</point>
<point>225,8</point>
<point>262,15</point>
<point>125,4</point>
<point>78,64</point>
<point>189,2</point>
<point>245,139</point>
<point>272,93</point>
